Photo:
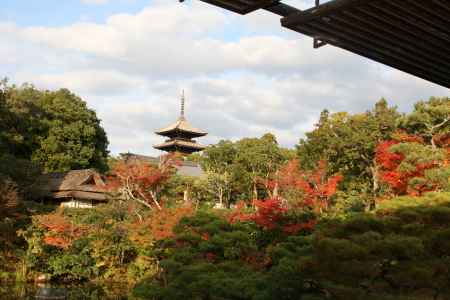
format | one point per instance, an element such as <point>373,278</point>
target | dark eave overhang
<point>187,146</point>
<point>247,6</point>
<point>180,132</point>
<point>410,35</point>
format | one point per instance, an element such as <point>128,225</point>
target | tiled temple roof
<point>181,125</point>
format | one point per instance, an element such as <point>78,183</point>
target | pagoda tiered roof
<point>181,126</point>
<point>177,145</point>
<point>180,135</point>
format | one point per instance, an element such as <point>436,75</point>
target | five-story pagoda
<point>180,135</point>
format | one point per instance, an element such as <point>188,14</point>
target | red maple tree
<point>60,232</point>
<point>315,186</point>
<point>398,178</point>
<point>389,162</point>
<point>142,181</point>
<point>161,224</point>
<point>271,214</point>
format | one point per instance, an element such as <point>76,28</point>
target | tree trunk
<point>186,195</point>
<point>375,186</point>
<point>275,190</point>
<point>433,144</point>
<point>227,194</point>
<point>154,196</point>
<point>433,128</point>
<point>255,191</point>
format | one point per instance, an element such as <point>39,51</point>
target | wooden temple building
<point>75,188</point>
<point>180,135</point>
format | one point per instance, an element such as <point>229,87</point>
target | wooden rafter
<point>410,35</point>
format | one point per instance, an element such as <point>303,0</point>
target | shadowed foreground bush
<point>400,252</point>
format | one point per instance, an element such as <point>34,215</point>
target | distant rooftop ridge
<point>154,159</point>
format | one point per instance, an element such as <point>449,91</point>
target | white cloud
<point>132,67</point>
<point>90,82</point>
<point>173,39</point>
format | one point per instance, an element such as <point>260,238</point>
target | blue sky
<point>243,75</point>
<point>64,12</point>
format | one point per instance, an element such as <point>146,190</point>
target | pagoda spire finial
<point>182,104</point>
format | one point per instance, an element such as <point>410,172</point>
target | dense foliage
<point>359,211</point>
<point>243,170</point>
<point>348,143</point>
<point>409,166</point>
<point>40,131</point>
<point>401,252</point>
<point>53,129</point>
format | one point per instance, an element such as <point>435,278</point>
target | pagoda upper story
<point>180,135</point>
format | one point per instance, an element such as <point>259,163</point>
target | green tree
<point>15,165</point>
<point>220,157</point>
<point>74,138</point>
<point>428,119</point>
<point>55,129</point>
<point>221,173</point>
<point>25,119</point>
<point>348,143</point>
<point>245,169</point>
<point>8,120</point>
<point>220,184</point>
<point>5,118</point>
<point>260,159</point>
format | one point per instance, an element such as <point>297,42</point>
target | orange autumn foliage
<point>238,214</point>
<point>161,223</point>
<point>443,141</point>
<point>142,181</point>
<point>315,186</point>
<point>60,232</point>
<point>58,241</point>
<point>271,214</point>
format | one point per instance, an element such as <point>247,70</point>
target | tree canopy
<point>245,167</point>
<point>54,129</point>
<point>429,119</point>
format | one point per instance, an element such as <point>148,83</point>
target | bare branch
<point>440,124</point>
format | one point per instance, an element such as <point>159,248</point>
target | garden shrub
<point>399,253</point>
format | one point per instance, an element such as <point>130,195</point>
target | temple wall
<point>75,203</point>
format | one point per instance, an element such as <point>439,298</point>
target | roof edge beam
<point>244,7</point>
<point>318,11</point>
